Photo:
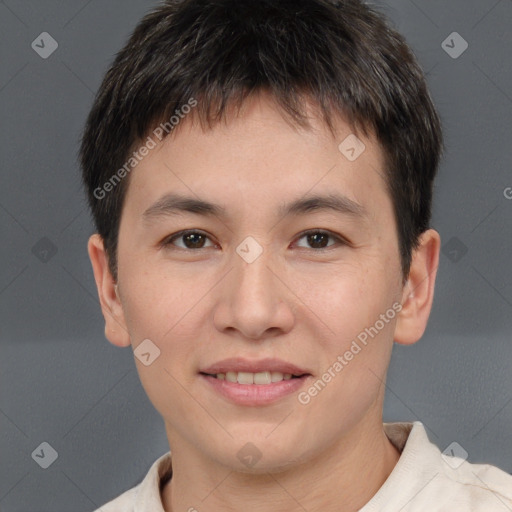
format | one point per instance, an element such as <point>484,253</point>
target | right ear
<point>115,325</point>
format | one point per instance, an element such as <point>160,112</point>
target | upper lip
<point>238,364</point>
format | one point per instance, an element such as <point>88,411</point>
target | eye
<point>318,238</point>
<point>191,240</point>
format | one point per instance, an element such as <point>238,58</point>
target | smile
<point>261,378</point>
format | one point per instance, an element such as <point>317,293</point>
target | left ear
<point>418,293</point>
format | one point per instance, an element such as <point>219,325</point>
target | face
<point>254,279</point>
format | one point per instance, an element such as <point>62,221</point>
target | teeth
<point>276,376</point>
<point>245,378</point>
<point>254,378</point>
<point>260,378</point>
<point>231,376</point>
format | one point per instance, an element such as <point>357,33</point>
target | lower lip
<point>255,394</point>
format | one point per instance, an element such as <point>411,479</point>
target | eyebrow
<point>174,204</point>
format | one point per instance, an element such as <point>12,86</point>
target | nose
<point>254,299</point>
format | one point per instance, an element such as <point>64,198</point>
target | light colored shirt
<point>423,480</point>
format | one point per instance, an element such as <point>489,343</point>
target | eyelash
<point>169,240</point>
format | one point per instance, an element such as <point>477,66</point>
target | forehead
<point>257,158</point>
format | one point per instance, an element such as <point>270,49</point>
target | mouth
<point>247,382</point>
<point>248,378</point>
<point>261,372</point>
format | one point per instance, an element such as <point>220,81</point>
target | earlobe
<point>115,326</point>
<point>418,293</point>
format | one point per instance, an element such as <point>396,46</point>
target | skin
<point>297,301</point>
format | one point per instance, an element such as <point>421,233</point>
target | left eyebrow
<point>174,204</point>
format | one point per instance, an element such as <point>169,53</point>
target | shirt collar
<point>148,497</point>
<point>418,464</point>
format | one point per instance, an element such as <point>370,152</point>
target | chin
<point>258,454</point>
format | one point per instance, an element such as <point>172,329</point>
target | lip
<point>239,364</point>
<point>254,394</point>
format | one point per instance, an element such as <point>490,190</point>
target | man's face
<point>211,296</point>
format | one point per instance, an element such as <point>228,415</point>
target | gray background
<point>64,384</point>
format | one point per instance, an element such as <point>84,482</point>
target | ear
<point>115,326</point>
<point>418,293</point>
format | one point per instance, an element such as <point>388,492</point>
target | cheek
<point>354,364</point>
<point>343,300</point>
<point>355,305</point>
<point>166,312</point>
<point>157,305</point>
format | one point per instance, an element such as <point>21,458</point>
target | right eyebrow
<point>173,204</point>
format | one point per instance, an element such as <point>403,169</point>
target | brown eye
<point>190,239</point>
<point>319,239</point>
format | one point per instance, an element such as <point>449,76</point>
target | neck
<point>343,478</point>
